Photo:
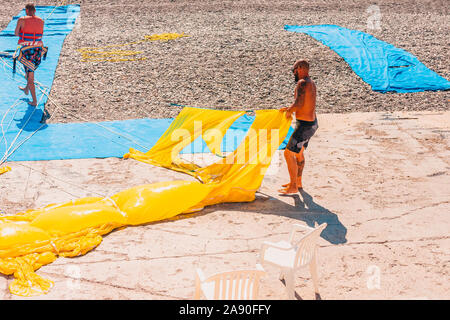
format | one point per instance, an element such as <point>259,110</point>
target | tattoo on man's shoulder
<point>301,85</point>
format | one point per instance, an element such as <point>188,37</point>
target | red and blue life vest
<point>32,31</point>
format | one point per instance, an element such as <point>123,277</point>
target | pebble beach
<point>237,56</point>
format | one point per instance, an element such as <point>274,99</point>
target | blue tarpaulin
<point>25,138</point>
<point>112,139</point>
<point>380,64</point>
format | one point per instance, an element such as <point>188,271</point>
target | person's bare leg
<point>300,158</point>
<point>25,89</point>
<point>32,88</point>
<point>300,165</point>
<point>291,161</point>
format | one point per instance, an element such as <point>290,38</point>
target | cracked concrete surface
<point>380,181</point>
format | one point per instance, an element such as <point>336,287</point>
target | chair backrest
<point>237,285</point>
<point>306,246</point>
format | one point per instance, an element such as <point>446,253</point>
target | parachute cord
<point>3,119</point>
<point>116,206</point>
<point>60,3</point>
<point>7,153</point>
<point>70,183</point>
<point>40,85</point>
<point>96,123</point>
<point>59,107</point>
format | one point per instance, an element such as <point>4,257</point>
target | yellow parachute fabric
<point>188,126</point>
<point>22,238</point>
<point>4,169</point>
<point>234,178</point>
<point>80,217</point>
<point>34,238</point>
<point>27,283</point>
<point>159,201</point>
<point>239,175</point>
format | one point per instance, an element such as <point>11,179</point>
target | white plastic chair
<point>290,256</point>
<point>231,285</point>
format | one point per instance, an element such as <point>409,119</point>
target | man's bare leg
<point>25,89</point>
<point>300,158</point>
<point>300,165</point>
<point>32,88</point>
<point>291,161</point>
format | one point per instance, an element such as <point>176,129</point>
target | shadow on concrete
<point>311,212</point>
<point>297,296</point>
<point>304,209</point>
<point>308,211</point>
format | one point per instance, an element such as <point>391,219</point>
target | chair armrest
<point>296,226</point>
<point>276,245</point>
<point>260,268</point>
<point>199,278</point>
<point>300,226</point>
<point>200,275</point>
<point>268,244</point>
<point>261,272</point>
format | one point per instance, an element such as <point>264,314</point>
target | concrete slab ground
<point>379,180</point>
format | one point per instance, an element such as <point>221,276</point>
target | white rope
<point>9,109</point>
<point>98,124</point>
<point>58,106</point>
<point>116,206</point>
<point>3,119</point>
<point>7,153</point>
<point>76,115</point>
<point>60,3</point>
<point>70,183</point>
<point>4,158</point>
<point>4,116</point>
<point>43,173</point>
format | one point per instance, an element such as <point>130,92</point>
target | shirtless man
<point>30,31</point>
<point>304,107</point>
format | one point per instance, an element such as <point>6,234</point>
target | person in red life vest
<point>30,30</point>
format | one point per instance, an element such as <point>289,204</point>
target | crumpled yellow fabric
<point>36,237</point>
<point>234,178</point>
<point>4,169</point>
<point>27,283</point>
<point>187,126</point>
<point>160,201</point>
<point>239,175</point>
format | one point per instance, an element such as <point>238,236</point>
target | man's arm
<point>18,26</point>
<point>300,95</point>
<point>299,98</point>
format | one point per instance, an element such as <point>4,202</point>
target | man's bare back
<point>305,96</point>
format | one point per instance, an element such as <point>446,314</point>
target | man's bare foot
<point>299,185</point>
<point>289,190</point>
<point>24,89</point>
<point>32,103</point>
